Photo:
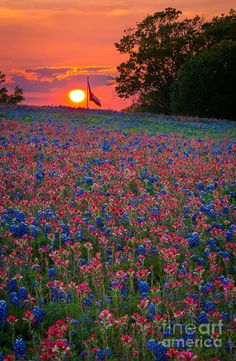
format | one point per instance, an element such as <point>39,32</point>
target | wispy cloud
<point>40,82</point>
<point>53,73</point>
<point>43,9</point>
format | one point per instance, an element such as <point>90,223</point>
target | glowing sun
<point>77,95</point>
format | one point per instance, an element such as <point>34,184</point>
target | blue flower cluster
<point>19,348</point>
<point>103,354</point>
<point>143,286</point>
<point>38,314</point>
<point>3,312</point>
<point>158,349</point>
<point>193,240</point>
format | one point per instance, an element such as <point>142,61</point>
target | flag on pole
<point>92,97</point>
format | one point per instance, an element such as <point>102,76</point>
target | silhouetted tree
<point>2,77</point>
<point>206,85</point>
<point>220,28</point>
<point>14,98</point>
<point>17,97</point>
<point>157,49</point>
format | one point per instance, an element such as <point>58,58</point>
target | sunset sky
<point>49,47</point>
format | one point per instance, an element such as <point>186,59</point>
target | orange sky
<point>50,46</point>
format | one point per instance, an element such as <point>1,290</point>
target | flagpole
<point>87,93</point>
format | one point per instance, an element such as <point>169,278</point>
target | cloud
<point>41,83</point>
<point>54,73</point>
<point>20,10</point>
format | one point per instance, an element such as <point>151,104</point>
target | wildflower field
<point>117,236</point>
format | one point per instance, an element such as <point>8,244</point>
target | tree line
<point>6,98</point>
<point>180,66</point>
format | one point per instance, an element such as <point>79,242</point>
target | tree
<point>3,91</point>
<point>220,28</point>
<point>206,85</point>
<point>2,77</point>
<point>15,98</point>
<point>157,48</point>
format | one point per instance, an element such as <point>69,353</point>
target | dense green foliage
<point>158,48</point>
<point>206,84</point>
<point>5,98</point>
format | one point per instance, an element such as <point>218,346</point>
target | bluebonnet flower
<point>47,228</point>
<point>140,250</point>
<point>69,297</point>
<point>38,314</point>
<point>109,299</point>
<point>207,287</point>
<point>224,280</point>
<point>200,186</point>
<point>194,240</point>
<point>210,306</point>
<point>225,210</point>
<point>206,251</point>
<point>99,222</point>
<point>1,356</point>
<point>12,285</point>
<point>79,235</point>
<point>151,345</point>
<point>109,251</point>
<point>87,214</point>
<point>143,174</point>
<point>202,318</point>
<point>106,146</point>
<point>159,350</point>
<point>52,272</point>
<point>124,290</point>
<point>104,207</point>
<point>3,312</point>
<point>151,310</point>
<point>19,348</point>
<point>19,230</point>
<point>88,180</point>
<point>33,230</point>
<point>64,227</point>
<point>19,215</point>
<point>74,322</point>
<point>232,227</point>
<point>22,293</point>
<point>229,235</point>
<point>65,238</point>
<point>103,354</point>
<point>39,175</point>
<point>211,243</point>
<point>14,299</point>
<point>79,191</point>
<point>195,296</point>
<point>155,211</point>
<point>88,302</point>
<point>56,294</point>
<point>144,295</point>
<point>200,261</point>
<point>209,210</point>
<point>143,286</point>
